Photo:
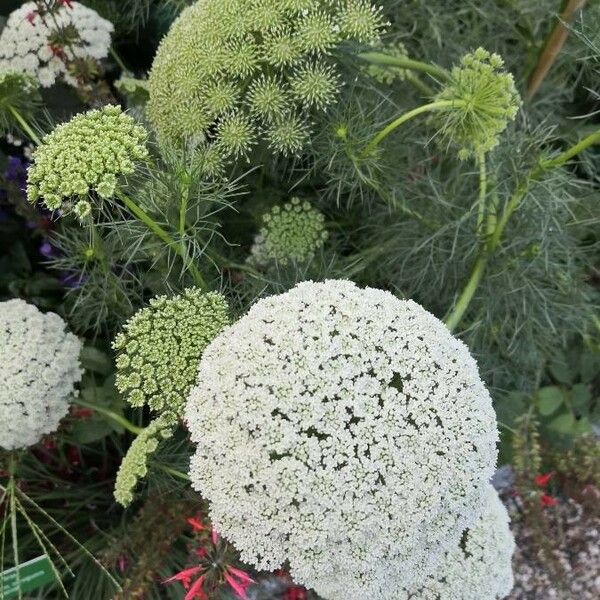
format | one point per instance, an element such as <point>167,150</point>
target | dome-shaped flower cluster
<point>345,432</point>
<point>160,346</point>
<point>88,153</point>
<point>18,92</point>
<point>479,567</point>
<point>294,232</point>
<point>40,367</point>
<point>256,67</point>
<point>33,43</point>
<point>486,101</point>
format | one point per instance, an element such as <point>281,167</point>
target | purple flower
<point>72,279</point>
<point>47,250</point>
<point>16,172</point>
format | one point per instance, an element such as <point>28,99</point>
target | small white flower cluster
<point>344,431</point>
<point>40,367</point>
<point>480,566</point>
<point>26,40</point>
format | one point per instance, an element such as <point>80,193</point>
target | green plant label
<point>27,577</point>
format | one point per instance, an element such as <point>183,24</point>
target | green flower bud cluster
<point>134,464</point>
<point>160,346</point>
<point>18,92</point>
<point>86,154</point>
<point>387,74</point>
<point>486,101</point>
<point>294,232</point>
<point>255,67</point>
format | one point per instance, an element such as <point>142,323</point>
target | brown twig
<point>554,45</point>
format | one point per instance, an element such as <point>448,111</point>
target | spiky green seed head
<point>239,66</point>
<point>288,134</point>
<point>293,232</point>
<point>86,155</point>
<point>160,346</point>
<point>486,102</point>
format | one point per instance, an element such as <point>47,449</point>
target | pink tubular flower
<point>196,592</point>
<point>241,575</point>
<point>67,3</point>
<point>185,576</point>
<point>214,536</point>
<point>196,524</point>
<point>238,587</point>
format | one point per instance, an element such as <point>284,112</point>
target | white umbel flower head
<point>27,40</point>
<point>40,367</point>
<point>344,431</point>
<point>480,566</point>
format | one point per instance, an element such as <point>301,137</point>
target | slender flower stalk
<point>438,105</point>
<point>456,314</point>
<point>139,213</point>
<point>481,208</point>
<point>113,416</point>
<point>380,58</point>
<point>25,125</point>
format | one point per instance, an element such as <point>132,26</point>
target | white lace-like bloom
<point>480,567</point>
<point>345,431</point>
<point>27,39</point>
<point>40,367</point>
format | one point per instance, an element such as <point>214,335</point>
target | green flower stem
<point>411,114</point>
<point>419,84</point>
<point>561,159</point>
<point>183,206</point>
<point>379,58</point>
<point>25,125</point>
<point>138,212</point>
<point>120,420</point>
<point>118,59</point>
<point>455,316</point>
<point>482,191</point>
<point>14,532</point>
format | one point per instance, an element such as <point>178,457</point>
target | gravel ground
<point>560,557</point>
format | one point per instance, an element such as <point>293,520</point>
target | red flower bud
<point>547,500</point>
<point>542,480</point>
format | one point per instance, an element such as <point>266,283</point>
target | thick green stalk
<point>118,419</point>
<point>403,62</point>
<point>25,125</point>
<point>140,214</point>
<point>411,114</point>
<point>568,154</point>
<point>454,317</point>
